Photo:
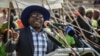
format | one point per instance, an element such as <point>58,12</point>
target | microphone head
<point>70,30</point>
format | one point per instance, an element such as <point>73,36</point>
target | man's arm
<point>12,43</point>
<point>10,46</point>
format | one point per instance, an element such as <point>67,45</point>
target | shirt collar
<point>33,30</point>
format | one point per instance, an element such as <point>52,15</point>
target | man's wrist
<point>14,41</point>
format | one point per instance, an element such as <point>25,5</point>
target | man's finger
<point>12,30</point>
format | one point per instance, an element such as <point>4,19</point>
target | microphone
<point>49,24</point>
<point>59,24</point>
<point>66,28</point>
<point>70,30</point>
<point>54,25</point>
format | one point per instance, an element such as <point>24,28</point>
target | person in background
<point>96,16</point>
<point>89,16</point>
<point>96,2</point>
<point>89,13</point>
<point>19,23</point>
<point>83,23</point>
<point>4,11</point>
<point>4,27</point>
<point>3,17</point>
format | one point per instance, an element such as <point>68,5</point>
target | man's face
<point>96,15</point>
<point>82,11</point>
<point>89,14</point>
<point>36,19</point>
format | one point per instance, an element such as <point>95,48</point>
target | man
<point>96,16</point>
<point>89,15</point>
<point>83,24</point>
<point>32,39</point>
<point>3,17</point>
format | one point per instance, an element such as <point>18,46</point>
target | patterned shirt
<point>39,43</point>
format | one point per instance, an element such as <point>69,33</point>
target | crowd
<point>33,34</point>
